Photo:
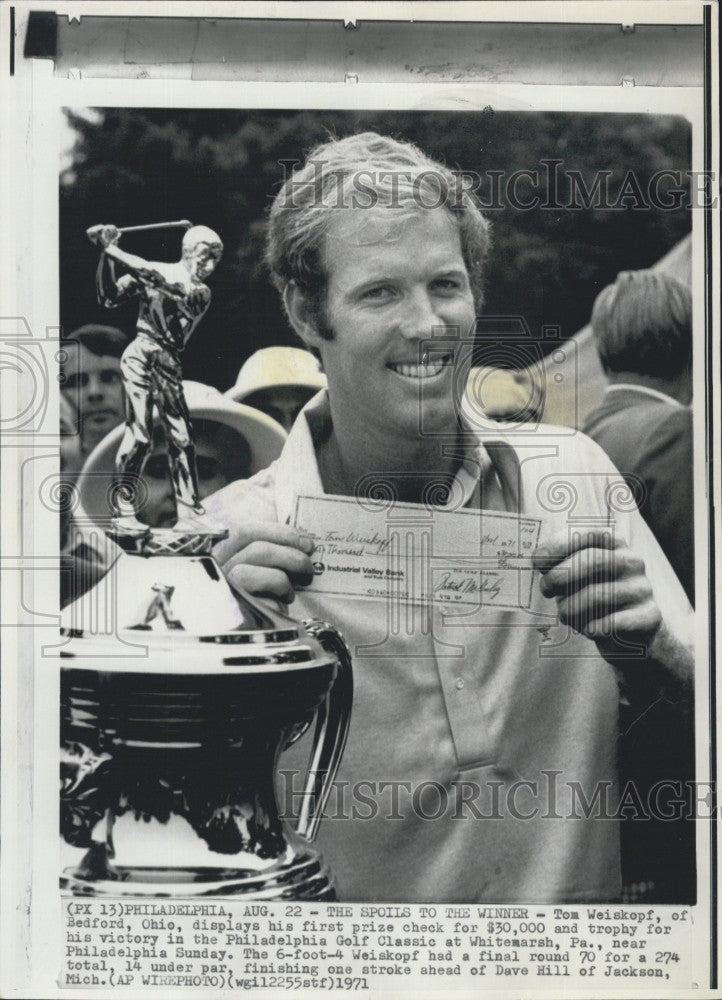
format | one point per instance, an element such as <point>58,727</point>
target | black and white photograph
<point>362,565</point>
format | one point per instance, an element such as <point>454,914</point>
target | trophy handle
<point>332,721</point>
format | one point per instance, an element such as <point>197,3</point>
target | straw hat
<point>502,394</point>
<point>277,366</point>
<point>265,438</point>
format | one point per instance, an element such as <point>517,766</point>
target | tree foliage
<point>221,168</point>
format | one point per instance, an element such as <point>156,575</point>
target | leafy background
<point>221,168</point>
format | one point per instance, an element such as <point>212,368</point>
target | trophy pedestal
<point>298,874</point>
<point>306,879</point>
<point>172,726</point>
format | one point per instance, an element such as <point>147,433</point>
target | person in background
<point>642,326</point>
<point>91,405</point>
<point>90,381</point>
<point>278,381</point>
<point>504,394</point>
<point>232,442</point>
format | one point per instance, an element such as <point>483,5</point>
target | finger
<point>587,567</point>
<point>559,547</point>
<point>599,601</point>
<point>250,531</point>
<point>294,563</point>
<point>263,581</point>
<point>638,624</point>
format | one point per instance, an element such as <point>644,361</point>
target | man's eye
<point>109,377</point>
<point>377,292</point>
<point>447,284</point>
<point>78,381</point>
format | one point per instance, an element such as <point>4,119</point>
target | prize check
<point>419,554</point>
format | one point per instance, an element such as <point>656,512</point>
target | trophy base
<point>126,523</point>
<point>172,726</point>
<point>306,878</point>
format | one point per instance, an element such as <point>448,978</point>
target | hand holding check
<point>267,559</point>
<point>601,588</point>
<point>599,584</point>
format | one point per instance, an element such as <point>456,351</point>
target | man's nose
<point>95,388</point>
<point>420,315</point>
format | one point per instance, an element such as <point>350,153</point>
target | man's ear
<point>301,315</point>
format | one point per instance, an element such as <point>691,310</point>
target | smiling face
<point>393,285</point>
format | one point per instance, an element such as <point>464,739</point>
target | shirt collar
<point>646,391</point>
<point>298,472</point>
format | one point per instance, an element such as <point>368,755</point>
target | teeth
<point>428,370</point>
<point>418,371</point>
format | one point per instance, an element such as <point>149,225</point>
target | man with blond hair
<point>505,715</point>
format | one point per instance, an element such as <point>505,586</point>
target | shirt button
<point>459,683</point>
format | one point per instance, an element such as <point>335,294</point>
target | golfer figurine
<point>173,298</point>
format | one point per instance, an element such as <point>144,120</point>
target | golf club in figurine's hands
<point>172,299</point>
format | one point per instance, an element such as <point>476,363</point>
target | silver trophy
<point>173,719</point>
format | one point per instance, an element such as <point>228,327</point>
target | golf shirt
<point>480,763</point>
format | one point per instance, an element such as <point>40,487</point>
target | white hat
<point>503,394</point>
<point>264,435</point>
<point>277,366</point>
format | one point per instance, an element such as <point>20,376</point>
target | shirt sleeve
<point>669,593</point>
<point>625,519</point>
<point>667,466</point>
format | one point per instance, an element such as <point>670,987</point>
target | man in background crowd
<point>90,382</point>
<point>278,381</point>
<point>642,327</point>
<point>91,405</point>
<point>505,394</point>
